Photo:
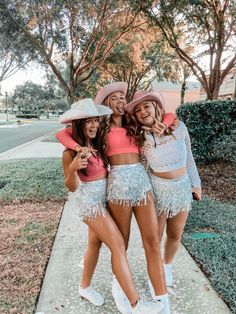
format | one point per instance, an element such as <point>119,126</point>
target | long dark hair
<point>79,136</point>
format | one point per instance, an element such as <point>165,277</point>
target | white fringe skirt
<point>89,200</point>
<point>172,196</point>
<point>128,185</point>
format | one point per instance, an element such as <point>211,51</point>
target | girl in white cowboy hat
<point>172,170</point>
<point>91,204</point>
<point>129,188</point>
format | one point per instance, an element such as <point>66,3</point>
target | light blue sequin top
<point>171,152</point>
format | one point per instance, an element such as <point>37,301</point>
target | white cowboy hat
<point>82,109</point>
<point>141,96</point>
<point>110,88</point>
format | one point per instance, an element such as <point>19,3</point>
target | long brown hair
<point>79,136</point>
<point>106,121</point>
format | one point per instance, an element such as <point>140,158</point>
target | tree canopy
<point>76,34</point>
<point>208,26</point>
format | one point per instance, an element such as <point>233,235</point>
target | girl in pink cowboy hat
<point>90,203</point>
<point>172,170</point>
<point>129,188</point>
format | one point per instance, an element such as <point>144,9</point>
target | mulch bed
<point>27,235</point>
<point>219,181</point>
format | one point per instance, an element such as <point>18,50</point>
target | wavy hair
<point>106,121</point>
<point>79,136</point>
<point>139,133</point>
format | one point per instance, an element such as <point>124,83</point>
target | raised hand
<point>79,162</point>
<point>85,149</point>
<point>157,127</point>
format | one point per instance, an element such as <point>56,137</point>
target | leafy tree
<point>74,35</point>
<point>138,59</point>
<point>32,97</point>
<point>200,23</point>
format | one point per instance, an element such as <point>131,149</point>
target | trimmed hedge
<point>212,127</point>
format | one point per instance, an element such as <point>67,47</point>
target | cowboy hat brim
<point>109,89</point>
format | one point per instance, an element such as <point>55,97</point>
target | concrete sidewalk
<point>191,293</point>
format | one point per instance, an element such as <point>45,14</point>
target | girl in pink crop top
<point>129,187</point>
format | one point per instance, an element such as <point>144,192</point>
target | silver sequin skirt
<point>172,196</point>
<point>128,185</point>
<point>89,200</point>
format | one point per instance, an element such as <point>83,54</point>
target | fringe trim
<point>131,202</point>
<point>172,212</point>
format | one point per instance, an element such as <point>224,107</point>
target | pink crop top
<point>95,168</point>
<point>118,142</point>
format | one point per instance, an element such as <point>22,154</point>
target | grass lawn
<point>210,233</point>
<point>32,196</point>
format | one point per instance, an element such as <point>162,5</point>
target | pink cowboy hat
<point>108,89</point>
<point>141,96</point>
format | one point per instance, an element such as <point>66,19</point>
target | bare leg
<point>122,217</point>
<point>90,258</point>
<point>161,226</point>
<point>147,222</point>
<point>107,231</point>
<point>174,231</point>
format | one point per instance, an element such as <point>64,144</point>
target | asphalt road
<point>12,136</point>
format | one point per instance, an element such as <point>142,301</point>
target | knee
<point>118,245</point>
<point>95,243</point>
<point>174,236</point>
<point>152,244</point>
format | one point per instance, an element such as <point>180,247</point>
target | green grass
<point>216,256</point>
<point>31,180</point>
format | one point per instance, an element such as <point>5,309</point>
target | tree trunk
<point>183,89</point>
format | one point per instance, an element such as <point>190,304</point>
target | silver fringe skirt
<point>89,200</point>
<point>172,196</point>
<point>128,185</point>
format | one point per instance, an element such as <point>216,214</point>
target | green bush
<point>225,147</point>
<point>210,124</point>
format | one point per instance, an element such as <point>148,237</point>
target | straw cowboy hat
<point>82,109</point>
<point>141,96</point>
<point>110,88</point>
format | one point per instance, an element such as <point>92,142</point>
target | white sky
<point>33,73</point>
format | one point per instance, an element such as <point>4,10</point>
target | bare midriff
<point>124,159</point>
<point>170,174</point>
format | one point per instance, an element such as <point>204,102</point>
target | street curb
<point>11,151</point>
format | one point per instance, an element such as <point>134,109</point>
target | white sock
<point>165,301</point>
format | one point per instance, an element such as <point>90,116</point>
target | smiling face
<point>90,128</point>
<point>144,113</point>
<point>116,101</point>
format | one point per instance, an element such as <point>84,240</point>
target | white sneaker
<point>122,302</point>
<point>91,295</point>
<point>145,307</point>
<point>168,274</point>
